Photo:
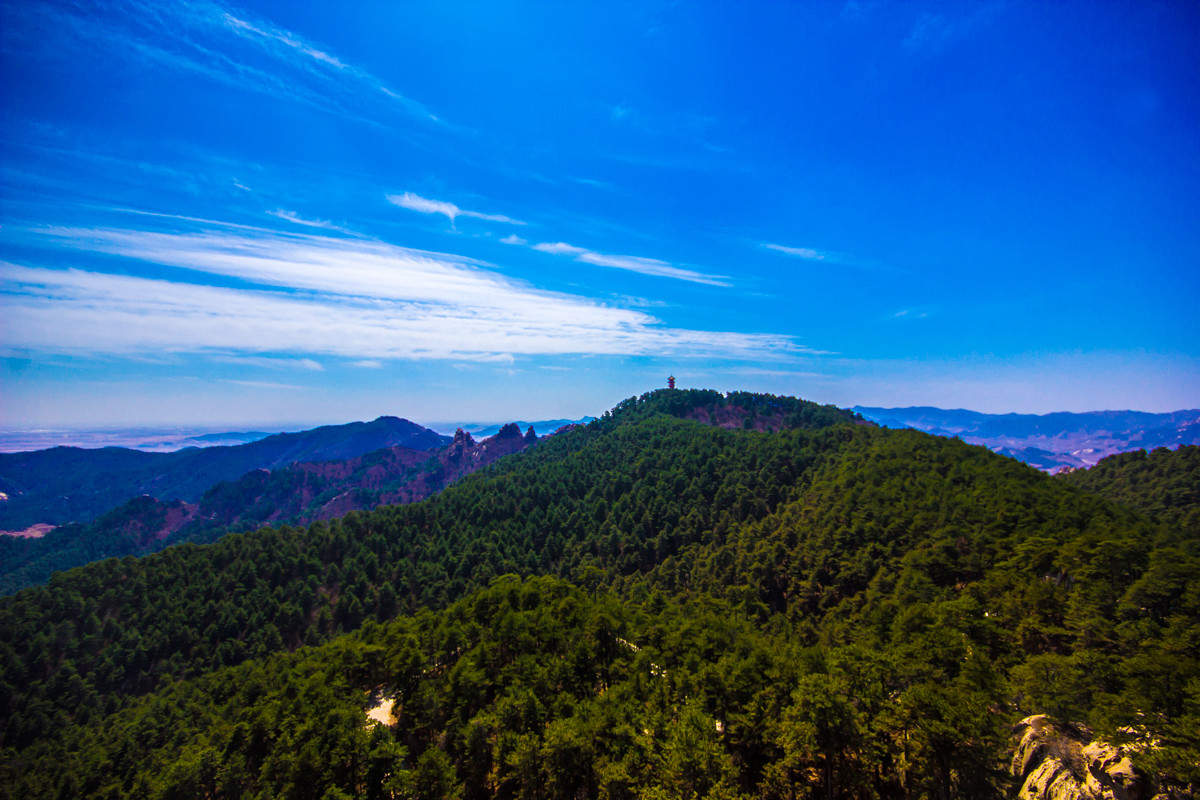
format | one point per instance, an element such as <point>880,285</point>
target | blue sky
<point>296,213</point>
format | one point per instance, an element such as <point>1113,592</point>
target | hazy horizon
<point>164,438</point>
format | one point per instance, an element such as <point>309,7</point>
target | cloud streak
<point>310,296</point>
<point>798,252</point>
<point>232,47</point>
<point>827,256</point>
<point>423,205</point>
<point>638,264</point>
<point>292,216</point>
<point>274,363</point>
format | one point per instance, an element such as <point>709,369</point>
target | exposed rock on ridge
<point>1061,762</point>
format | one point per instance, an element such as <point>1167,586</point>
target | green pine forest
<point>648,606</point>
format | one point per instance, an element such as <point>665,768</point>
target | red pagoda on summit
<point>671,382</point>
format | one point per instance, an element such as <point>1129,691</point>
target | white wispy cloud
<point>512,238</point>
<point>798,252</point>
<point>910,314</point>
<point>263,384</point>
<point>414,202</point>
<point>605,185</point>
<point>231,46</point>
<point>644,266</point>
<point>274,37</point>
<point>292,216</point>
<point>292,52</point>
<point>274,363</point>
<point>559,248</point>
<point>829,256</point>
<point>309,296</point>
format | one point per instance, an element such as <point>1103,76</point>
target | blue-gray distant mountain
<point>1049,441</point>
<point>153,440</point>
<point>217,439</point>
<point>71,484</point>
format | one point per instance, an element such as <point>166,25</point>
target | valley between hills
<point>694,595</point>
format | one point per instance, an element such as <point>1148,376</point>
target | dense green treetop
<point>1162,483</point>
<point>536,689</point>
<point>614,495</point>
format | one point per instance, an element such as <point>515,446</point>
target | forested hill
<point>1163,483</point>
<point>70,484</point>
<point>787,602</point>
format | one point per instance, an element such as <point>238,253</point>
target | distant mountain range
<point>293,491</point>
<point>1049,442</point>
<point>170,439</point>
<point>71,484</point>
<point>308,491</point>
<point>152,440</point>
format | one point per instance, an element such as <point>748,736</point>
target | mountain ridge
<point>295,493</point>
<point>67,484</point>
<point>1053,441</point>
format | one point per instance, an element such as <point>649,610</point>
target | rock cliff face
<point>304,493</point>
<point>1061,762</point>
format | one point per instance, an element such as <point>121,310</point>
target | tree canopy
<point>647,605</point>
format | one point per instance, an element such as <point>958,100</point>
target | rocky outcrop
<point>1056,761</point>
<point>305,492</point>
<point>509,431</point>
<point>461,444</point>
